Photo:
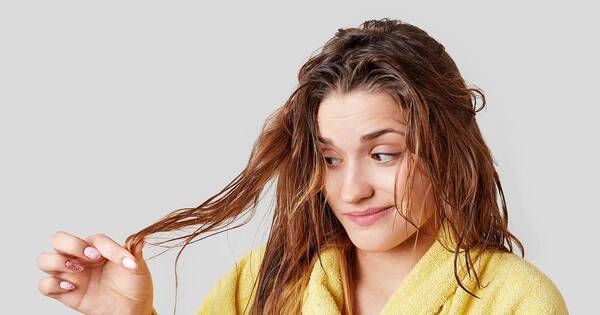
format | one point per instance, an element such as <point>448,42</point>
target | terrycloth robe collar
<point>424,290</point>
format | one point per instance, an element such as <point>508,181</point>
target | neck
<point>384,270</point>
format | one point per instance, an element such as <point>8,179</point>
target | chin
<point>372,246</point>
<point>380,237</point>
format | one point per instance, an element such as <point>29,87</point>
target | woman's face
<point>362,161</point>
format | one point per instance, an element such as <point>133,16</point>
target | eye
<point>328,159</point>
<point>392,155</point>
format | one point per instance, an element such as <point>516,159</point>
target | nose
<point>356,185</point>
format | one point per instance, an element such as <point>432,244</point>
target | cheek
<point>331,191</point>
<point>402,173</point>
<point>417,188</point>
<point>420,185</point>
<point>421,198</point>
<point>333,180</point>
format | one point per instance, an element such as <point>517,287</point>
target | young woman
<point>387,201</point>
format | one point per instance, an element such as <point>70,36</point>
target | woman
<point>386,201</point>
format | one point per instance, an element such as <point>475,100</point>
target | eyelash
<point>381,153</point>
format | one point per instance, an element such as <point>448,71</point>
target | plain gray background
<point>114,113</point>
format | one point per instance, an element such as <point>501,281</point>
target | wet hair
<point>388,56</point>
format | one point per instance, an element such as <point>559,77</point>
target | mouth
<point>368,211</point>
<point>367,218</point>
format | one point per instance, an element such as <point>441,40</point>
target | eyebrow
<point>368,137</point>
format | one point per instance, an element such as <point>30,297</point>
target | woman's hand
<point>96,276</point>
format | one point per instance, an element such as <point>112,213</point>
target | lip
<point>367,211</point>
<point>369,216</point>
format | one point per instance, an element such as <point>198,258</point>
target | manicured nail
<point>91,252</point>
<point>128,263</point>
<point>74,265</point>
<point>67,285</point>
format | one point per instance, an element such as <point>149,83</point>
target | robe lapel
<point>427,285</point>
<point>424,290</point>
<point>324,293</point>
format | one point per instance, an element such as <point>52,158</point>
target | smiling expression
<point>362,136</point>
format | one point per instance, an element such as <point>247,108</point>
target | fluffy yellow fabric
<point>510,285</point>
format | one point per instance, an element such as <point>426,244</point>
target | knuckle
<point>64,241</point>
<point>103,241</point>
<point>108,252</point>
<point>95,237</point>
<point>102,236</point>
<point>106,245</point>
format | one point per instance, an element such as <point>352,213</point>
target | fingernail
<point>67,285</point>
<point>91,252</point>
<point>74,265</point>
<point>128,263</point>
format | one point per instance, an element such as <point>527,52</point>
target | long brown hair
<point>384,55</point>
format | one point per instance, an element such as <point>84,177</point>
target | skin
<point>359,176</point>
<point>104,285</point>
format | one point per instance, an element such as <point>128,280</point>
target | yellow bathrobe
<point>510,285</point>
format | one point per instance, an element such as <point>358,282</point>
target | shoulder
<point>250,262</point>
<point>524,286</point>
<point>245,269</point>
<point>234,290</point>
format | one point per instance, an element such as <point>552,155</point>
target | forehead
<point>358,109</point>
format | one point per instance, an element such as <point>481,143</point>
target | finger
<point>71,245</point>
<point>52,286</point>
<point>114,252</point>
<point>53,263</point>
